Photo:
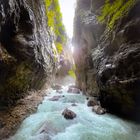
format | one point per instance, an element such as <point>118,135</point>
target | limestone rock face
<point>107,53</point>
<point>26,52</point>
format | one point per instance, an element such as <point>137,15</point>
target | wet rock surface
<point>11,118</point>
<point>68,114</point>
<point>73,89</point>
<point>55,98</point>
<point>48,128</point>
<point>74,104</point>
<point>59,91</point>
<point>107,55</point>
<point>57,87</point>
<point>26,54</point>
<point>92,102</point>
<point>96,106</point>
<point>98,110</point>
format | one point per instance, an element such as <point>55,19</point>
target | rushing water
<point>86,126</point>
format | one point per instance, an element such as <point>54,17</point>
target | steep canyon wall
<point>26,52</point>
<point>107,53</point>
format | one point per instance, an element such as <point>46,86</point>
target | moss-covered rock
<point>111,12</point>
<point>55,23</point>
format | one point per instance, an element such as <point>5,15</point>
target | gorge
<point>36,57</point>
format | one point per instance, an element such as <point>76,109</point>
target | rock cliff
<point>26,52</point>
<point>107,53</point>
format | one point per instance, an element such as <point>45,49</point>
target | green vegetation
<point>55,23</point>
<point>112,11</point>
<point>71,72</point>
<point>21,80</point>
<point>59,47</point>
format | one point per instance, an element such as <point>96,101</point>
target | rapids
<point>49,124</point>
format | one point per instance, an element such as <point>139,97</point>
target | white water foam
<point>86,126</point>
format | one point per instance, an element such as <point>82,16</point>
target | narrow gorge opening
<point>66,72</point>
<point>69,70</point>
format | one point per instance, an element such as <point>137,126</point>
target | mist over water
<point>49,124</point>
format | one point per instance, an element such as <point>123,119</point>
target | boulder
<point>74,104</point>
<point>92,102</point>
<point>73,90</point>
<point>55,98</point>
<point>68,114</point>
<point>56,87</point>
<point>59,91</point>
<point>98,110</point>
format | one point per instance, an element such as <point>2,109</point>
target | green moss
<point>59,47</point>
<point>111,12</point>
<point>55,23</point>
<point>72,73</point>
<point>21,80</point>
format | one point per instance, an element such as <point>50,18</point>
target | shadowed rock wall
<point>107,53</point>
<point>26,54</point>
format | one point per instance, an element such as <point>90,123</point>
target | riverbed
<point>48,123</point>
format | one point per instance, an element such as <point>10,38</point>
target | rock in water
<point>74,104</point>
<point>98,110</point>
<point>92,102</point>
<point>56,87</point>
<point>55,98</point>
<point>59,91</point>
<point>73,86</point>
<point>73,90</point>
<point>26,53</point>
<point>68,114</point>
<point>48,128</point>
